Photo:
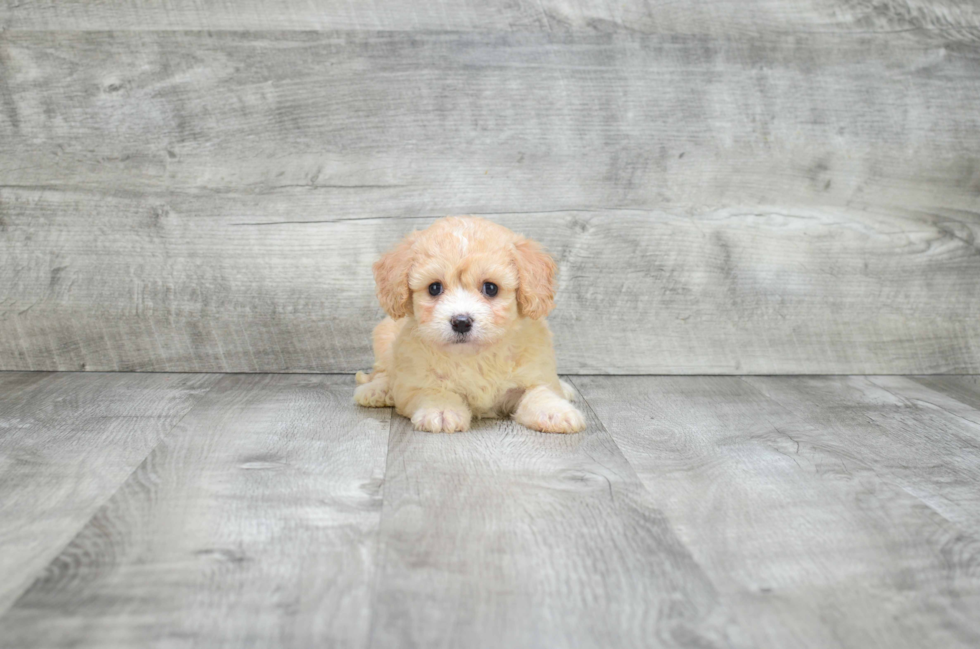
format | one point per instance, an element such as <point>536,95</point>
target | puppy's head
<point>466,281</point>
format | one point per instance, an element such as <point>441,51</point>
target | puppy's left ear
<point>536,272</point>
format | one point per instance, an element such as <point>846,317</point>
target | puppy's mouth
<point>462,341</point>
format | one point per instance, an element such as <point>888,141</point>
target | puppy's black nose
<point>461,323</point>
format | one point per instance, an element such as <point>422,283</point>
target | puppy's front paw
<point>441,420</point>
<point>373,395</point>
<point>554,417</point>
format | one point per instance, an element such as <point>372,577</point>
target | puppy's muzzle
<point>461,323</point>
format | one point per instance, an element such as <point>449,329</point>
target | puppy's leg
<point>376,393</point>
<point>541,409</point>
<point>381,339</point>
<point>567,390</point>
<point>439,412</point>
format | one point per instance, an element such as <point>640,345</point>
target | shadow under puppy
<point>466,333</point>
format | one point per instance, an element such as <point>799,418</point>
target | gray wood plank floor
<point>163,510</point>
<point>66,445</point>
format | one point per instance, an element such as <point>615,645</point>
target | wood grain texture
<point>212,201</point>
<point>639,292</point>
<point>950,18</point>
<point>793,514</point>
<point>374,123</point>
<point>926,447</point>
<point>253,524</point>
<point>693,512</point>
<point>962,388</point>
<point>503,537</point>
<point>67,442</point>
<point>957,396</point>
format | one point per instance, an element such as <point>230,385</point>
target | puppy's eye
<point>435,288</point>
<point>489,289</point>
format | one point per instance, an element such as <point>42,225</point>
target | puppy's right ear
<point>536,276</point>
<point>391,277</point>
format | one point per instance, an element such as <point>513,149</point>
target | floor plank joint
<point>157,510</point>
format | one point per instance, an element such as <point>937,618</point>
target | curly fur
<point>504,366</point>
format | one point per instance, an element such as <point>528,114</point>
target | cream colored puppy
<point>466,336</point>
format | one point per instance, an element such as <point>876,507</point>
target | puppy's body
<point>443,357</point>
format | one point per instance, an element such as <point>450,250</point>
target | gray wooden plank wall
<point>951,17</point>
<point>776,188</point>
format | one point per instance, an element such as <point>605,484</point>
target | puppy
<point>466,334</point>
